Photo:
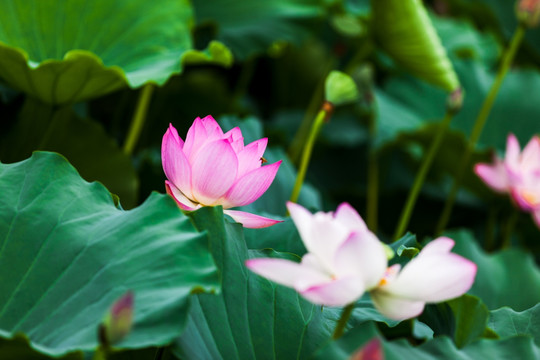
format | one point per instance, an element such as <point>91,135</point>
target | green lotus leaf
<point>442,347</point>
<point>508,323</point>
<point>405,32</point>
<point>215,53</point>
<point>494,283</point>
<point>71,253</point>
<point>406,104</point>
<point>251,27</point>
<point>83,142</point>
<point>64,52</point>
<point>471,317</point>
<point>252,318</point>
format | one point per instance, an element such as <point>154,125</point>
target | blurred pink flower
<point>212,168</point>
<point>518,174</point>
<point>345,259</point>
<point>119,320</point>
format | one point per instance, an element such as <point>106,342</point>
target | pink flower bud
<point>528,12</point>
<point>118,321</point>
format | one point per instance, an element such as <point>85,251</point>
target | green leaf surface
<point>519,347</point>
<point>71,253</point>
<point>282,237</point>
<point>83,142</point>
<point>404,30</point>
<point>251,27</point>
<point>463,41</point>
<point>64,52</point>
<point>471,319</point>
<point>508,323</point>
<point>405,104</point>
<point>508,278</point>
<point>252,318</point>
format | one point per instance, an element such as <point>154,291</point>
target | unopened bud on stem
<point>118,321</point>
<point>454,102</point>
<point>528,12</point>
<point>340,88</point>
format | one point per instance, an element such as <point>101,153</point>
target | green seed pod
<point>403,29</point>
<point>340,88</point>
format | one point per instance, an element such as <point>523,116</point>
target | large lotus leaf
<point>70,253</point>
<point>280,237</point>
<point>508,323</point>
<point>251,27</point>
<point>252,318</point>
<point>508,278</point>
<point>83,142</point>
<point>406,104</point>
<point>519,347</point>
<point>405,32</point>
<point>66,51</point>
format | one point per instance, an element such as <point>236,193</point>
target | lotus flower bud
<point>454,102</point>
<point>340,88</point>
<point>528,12</point>
<point>118,321</point>
<point>371,351</point>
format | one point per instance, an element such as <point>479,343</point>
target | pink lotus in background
<point>517,174</point>
<point>345,259</point>
<point>214,168</point>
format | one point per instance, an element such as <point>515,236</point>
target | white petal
<point>396,308</point>
<point>339,292</point>
<point>363,255</point>
<point>302,219</point>
<point>348,216</point>
<point>286,272</point>
<point>324,238</point>
<point>433,277</point>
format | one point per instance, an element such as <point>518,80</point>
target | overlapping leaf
<point>82,141</point>
<point>67,253</point>
<point>519,347</point>
<point>509,278</point>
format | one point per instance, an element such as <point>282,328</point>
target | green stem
<point>101,353</point>
<point>421,176</point>
<point>159,353</point>
<point>372,196</point>
<point>510,224</point>
<point>508,57</point>
<point>139,117</point>
<point>322,117</point>
<point>340,326</point>
<point>295,149</point>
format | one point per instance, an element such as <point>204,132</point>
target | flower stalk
<point>406,213</point>
<point>342,322</point>
<point>323,116</point>
<point>138,119</point>
<point>508,57</point>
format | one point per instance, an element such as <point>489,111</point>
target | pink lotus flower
<point>212,168</point>
<point>345,259</point>
<point>518,174</point>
